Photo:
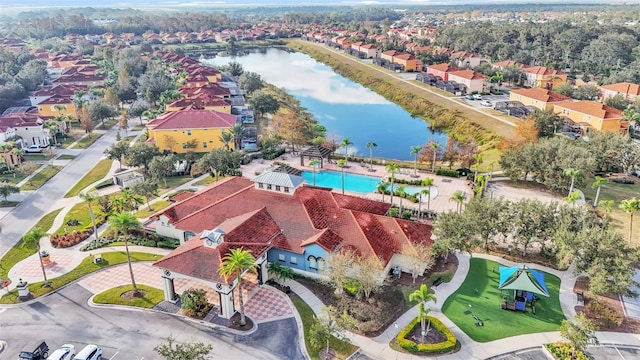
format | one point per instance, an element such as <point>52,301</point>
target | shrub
<point>439,348</point>
<point>270,154</point>
<point>352,287</point>
<point>406,214</point>
<point>104,184</point>
<point>449,173</point>
<point>603,315</point>
<point>150,243</point>
<point>73,222</point>
<point>195,303</point>
<point>394,212</point>
<point>562,351</point>
<point>406,181</point>
<point>70,239</point>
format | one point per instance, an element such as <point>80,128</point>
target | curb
<point>183,317</point>
<point>296,315</point>
<point>3,344</point>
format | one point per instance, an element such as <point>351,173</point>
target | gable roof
<point>505,63</point>
<point>467,74</point>
<point>623,88</point>
<point>541,70</point>
<point>541,94</point>
<point>592,108</point>
<point>279,179</point>
<point>444,67</point>
<point>193,119</point>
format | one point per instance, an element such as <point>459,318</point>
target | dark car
<point>40,353</point>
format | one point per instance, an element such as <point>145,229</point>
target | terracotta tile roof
<point>78,77</point>
<point>623,88</point>
<point>541,70</point>
<point>592,108</point>
<point>181,196</point>
<point>360,204</point>
<point>62,89</point>
<point>193,119</point>
<point>467,74</point>
<point>392,52</point>
<point>210,89</point>
<point>378,239</point>
<point>327,240</point>
<point>541,94</point>
<point>21,119</point>
<point>368,46</point>
<point>198,102</point>
<point>444,67</point>
<point>507,63</point>
<point>57,99</point>
<point>405,57</point>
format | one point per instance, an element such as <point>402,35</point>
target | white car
<point>33,149</point>
<point>477,97</point>
<point>90,352</point>
<point>486,103</point>
<point>66,352</point>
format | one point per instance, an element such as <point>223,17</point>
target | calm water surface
<point>344,107</point>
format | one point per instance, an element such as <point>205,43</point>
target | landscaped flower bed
<point>70,239</point>
<point>409,342</point>
<point>562,351</point>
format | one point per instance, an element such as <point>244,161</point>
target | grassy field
<point>156,206</point>
<point>35,157</point>
<point>476,117</point>
<point>12,178</point>
<point>20,252</point>
<point>80,212</point>
<point>98,172</point>
<point>617,193</point>
<point>113,296</point>
<point>87,141</point>
<point>66,157</point>
<point>172,183</point>
<point>40,178</point>
<point>343,349</point>
<point>86,267</point>
<point>486,305</point>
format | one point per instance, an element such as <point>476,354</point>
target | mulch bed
<point>233,323</point>
<point>130,295</point>
<point>432,337</point>
<point>383,308</point>
<point>629,325</point>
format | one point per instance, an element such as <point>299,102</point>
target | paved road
<point>39,202</point>
<point>65,317</point>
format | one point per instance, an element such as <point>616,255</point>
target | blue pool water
<point>352,182</point>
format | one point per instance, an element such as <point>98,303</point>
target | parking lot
<point>477,103</point>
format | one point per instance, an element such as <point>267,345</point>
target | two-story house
<point>441,70</point>
<point>542,99</point>
<point>629,91</point>
<point>28,126</point>
<point>591,115</point>
<point>472,80</point>
<point>543,77</point>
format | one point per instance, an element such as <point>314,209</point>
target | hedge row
<point>417,182</point>
<point>562,351</point>
<point>449,173</point>
<point>269,154</point>
<point>439,348</point>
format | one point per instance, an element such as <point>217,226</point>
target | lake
<point>344,107</point>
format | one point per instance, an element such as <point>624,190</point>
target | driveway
<point>65,317</point>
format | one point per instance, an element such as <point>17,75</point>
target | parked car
<point>33,149</point>
<point>39,353</point>
<point>65,352</point>
<point>89,352</point>
<point>486,103</point>
<point>477,97</point>
<point>469,97</point>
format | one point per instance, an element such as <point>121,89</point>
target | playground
<point>486,313</point>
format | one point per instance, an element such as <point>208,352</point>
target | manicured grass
<point>342,348</point>
<point>64,143</point>
<point>172,183</point>
<point>156,206</point>
<point>80,212</point>
<point>486,305</point>
<point>66,157</point>
<point>20,252</point>
<point>137,128</point>
<point>41,177</point>
<point>35,157</point>
<point>407,290</point>
<point>113,296</point>
<point>86,267</point>
<point>7,204</point>
<point>87,141</point>
<point>13,178</point>
<point>206,181</point>
<point>98,172</point>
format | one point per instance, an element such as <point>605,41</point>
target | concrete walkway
<point>378,347</point>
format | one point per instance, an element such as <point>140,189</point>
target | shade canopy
<point>522,278</point>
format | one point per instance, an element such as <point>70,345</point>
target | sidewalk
<point>378,347</point>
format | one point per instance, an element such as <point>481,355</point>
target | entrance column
<point>264,272</point>
<point>226,304</point>
<point>169,289</point>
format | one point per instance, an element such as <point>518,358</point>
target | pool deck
<point>445,186</point>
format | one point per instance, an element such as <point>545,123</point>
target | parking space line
<point>114,355</point>
<point>619,353</point>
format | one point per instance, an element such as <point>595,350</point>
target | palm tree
<point>572,198</point>
<point>342,163</point>
<point>428,182</point>
<point>18,153</point>
<point>370,145</point>
<point>478,158</point>
<point>226,138</point>
<point>401,194</point>
<point>314,163</point>
<point>89,197</point>
<point>631,115</point>
<point>607,206</point>
<point>423,296</point>
<point>236,262</point>
<point>237,131</point>
<point>392,169</point>
<point>415,151</point>
<point>32,239</point>
<point>491,166</point>
<point>459,197</point>
<point>630,206</point>
<point>597,185</point>
<point>573,173</point>
<point>346,142</point>
<point>434,148</point>
<point>123,223</point>
<point>382,188</point>
<point>423,192</point>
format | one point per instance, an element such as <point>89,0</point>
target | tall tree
<point>597,184</point>
<point>369,273</point>
<point>573,174</point>
<point>314,164</point>
<point>250,82</point>
<point>226,138</point>
<point>401,191</point>
<point>89,198</point>
<point>415,151</point>
<point>124,223</point>
<point>6,190</point>
<point>428,182</point>
<point>392,169</point>
<point>370,145</point>
<point>147,188</point>
<point>422,296</point>
<point>141,154</point>
<point>237,132</point>
<point>382,188</point>
<point>342,163</point>
<point>235,263</point>
<point>458,197</point>
<point>161,167</point>
<point>118,151</point>
<point>630,206</point>
<point>32,239</point>
<point>345,143</point>
<point>263,103</point>
<point>577,333</point>
<point>337,267</point>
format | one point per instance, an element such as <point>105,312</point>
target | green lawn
<point>12,178</point>
<point>486,305</point>
<point>40,178</point>
<point>66,157</point>
<point>157,206</point>
<point>172,183</point>
<point>20,252</point>
<point>113,296</point>
<point>343,349</point>
<point>35,157</point>
<point>66,141</point>
<point>98,172</point>
<point>87,141</point>
<point>80,212</point>
<point>86,267</point>
<point>206,181</point>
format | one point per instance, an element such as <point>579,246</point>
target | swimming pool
<point>352,182</point>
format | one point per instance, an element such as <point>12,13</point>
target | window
<point>313,263</point>
<point>293,260</point>
<point>184,145</point>
<point>260,186</point>
<point>320,263</point>
<point>281,257</point>
<point>268,186</point>
<point>286,189</point>
<point>204,144</point>
<point>277,187</point>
